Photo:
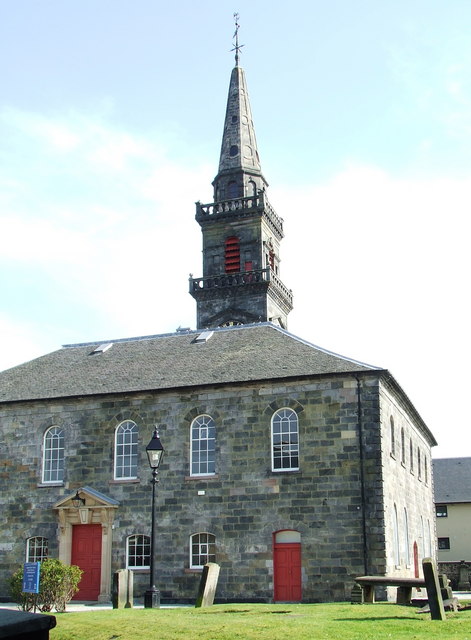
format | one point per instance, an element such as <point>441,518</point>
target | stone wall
<point>243,505</point>
<point>408,485</point>
<point>452,572</point>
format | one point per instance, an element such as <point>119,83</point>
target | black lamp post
<point>154,451</point>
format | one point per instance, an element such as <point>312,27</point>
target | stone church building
<point>294,468</point>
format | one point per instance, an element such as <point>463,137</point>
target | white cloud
<point>377,263</point>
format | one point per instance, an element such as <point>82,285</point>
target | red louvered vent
<point>232,255</point>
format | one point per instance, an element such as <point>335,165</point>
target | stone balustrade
<point>248,204</point>
<point>241,278</point>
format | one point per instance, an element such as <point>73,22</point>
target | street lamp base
<point>152,599</point>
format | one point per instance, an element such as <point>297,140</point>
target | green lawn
<point>262,622</point>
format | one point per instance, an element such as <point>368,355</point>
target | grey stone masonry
<point>333,499</point>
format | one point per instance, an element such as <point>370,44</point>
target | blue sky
<point>111,116</point>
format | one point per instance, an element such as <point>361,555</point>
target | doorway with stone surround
<point>85,537</point>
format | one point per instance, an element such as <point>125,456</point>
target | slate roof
<point>236,354</point>
<point>452,480</point>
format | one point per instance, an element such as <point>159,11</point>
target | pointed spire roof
<point>239,150</point>
<point>239,145</point>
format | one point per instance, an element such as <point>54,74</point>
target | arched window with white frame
<point>285,440</point>
<point>37,549</point>
<point>393,437</point>
<point>53,455</point>
<point>406,538</point>
<point>203,446</point>
<point>397,553</point>
<point>429,540</point>
<point>138,552</point>
<point>125,451</point>
<point>202,549</point>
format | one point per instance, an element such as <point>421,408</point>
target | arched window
<point>403,446</point>
<point>138,552</point>
<point>406,538</point>
<point>37,549</point>
<point>429,540</point>
<point>285,440</point>
<point>393,437</point>
<point>53,455</point>
<point>202,549</point>
<point>203,446</point>
<point>425,470</point>
<point>419,465</point>
<point>125,451</point>
<point>422,526</point>
<point>411,456</point>
<point>232,254</point>
<point>397,556</point>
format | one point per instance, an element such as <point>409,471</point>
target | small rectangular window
<point>441,511</point>
<point>443,543</point>
<point>138,552</point>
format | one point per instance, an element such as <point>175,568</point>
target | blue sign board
<point>31,577</point>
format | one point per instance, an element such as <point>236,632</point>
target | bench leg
<point>368,592</point>
<point>404,595</point>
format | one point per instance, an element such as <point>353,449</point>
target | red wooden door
<point>86,554</point>
<point>287,572</point>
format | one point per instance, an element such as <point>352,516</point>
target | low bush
<point>57,585</point>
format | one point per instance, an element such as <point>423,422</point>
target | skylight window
<point>102,348</point>
<point>203,337</point>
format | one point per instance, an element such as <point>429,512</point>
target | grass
<point>262,622</point>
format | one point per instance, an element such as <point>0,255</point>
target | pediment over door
<point>92,507</point>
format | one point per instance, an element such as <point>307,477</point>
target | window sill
<point>214,476</point>
<point>42,485</point>
<point>193,570</point>
<point>286,470</point>
<point>125,481</point>
<point>139,569</point>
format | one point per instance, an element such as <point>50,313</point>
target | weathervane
<point>235,38</point>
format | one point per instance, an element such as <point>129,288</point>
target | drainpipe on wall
<point>362,476</point>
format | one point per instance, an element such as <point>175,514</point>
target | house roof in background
<point>452,480</point>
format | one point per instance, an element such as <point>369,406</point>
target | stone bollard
<point>123,586</point>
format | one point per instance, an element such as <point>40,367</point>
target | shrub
<point>57,585</point>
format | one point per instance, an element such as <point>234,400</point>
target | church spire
<point>241,231</point>
<point>239,152</point>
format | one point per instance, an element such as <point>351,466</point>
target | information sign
<point>31,571</point>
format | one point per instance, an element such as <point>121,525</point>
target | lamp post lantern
<point>154,452</point>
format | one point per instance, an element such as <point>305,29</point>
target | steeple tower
<point>241,231</point>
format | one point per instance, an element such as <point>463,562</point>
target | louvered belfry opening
<point>232,255</point>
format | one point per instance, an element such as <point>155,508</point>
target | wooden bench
<point>404,587</point>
